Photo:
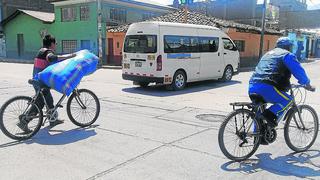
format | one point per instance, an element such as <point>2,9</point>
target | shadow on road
<point>304,164</point>
<point>160,91</point>
<point>46,137</point>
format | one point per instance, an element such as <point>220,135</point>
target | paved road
<point>147,134</point>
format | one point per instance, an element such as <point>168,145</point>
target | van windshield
<point>140,44</point>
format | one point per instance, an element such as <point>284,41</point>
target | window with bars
<point>146,16</point>
<point>69,46</point>
<point>84,13</point>
<point>117,14</point>
<point>241,44</point>
<point>68,14</point>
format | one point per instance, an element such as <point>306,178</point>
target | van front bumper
<point>147,79</point>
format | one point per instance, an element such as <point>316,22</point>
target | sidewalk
<point>9,60</point>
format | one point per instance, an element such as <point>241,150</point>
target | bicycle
<point>246,130</point>
<point>83,109</point>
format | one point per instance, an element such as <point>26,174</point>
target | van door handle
<point>218,54</point>
<point>224,53</point>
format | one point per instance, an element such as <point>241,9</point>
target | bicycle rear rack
<point>249,105</point>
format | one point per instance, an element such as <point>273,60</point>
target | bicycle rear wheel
<point>239,135</point>
<point>83,107</point>
<point>16,111</point>
<point>300,134</point>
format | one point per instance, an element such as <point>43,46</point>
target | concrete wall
<point>300,20</point>
<point>252,44</point>
<point>243,11</point>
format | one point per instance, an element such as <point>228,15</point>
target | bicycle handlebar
<point>307,87</point>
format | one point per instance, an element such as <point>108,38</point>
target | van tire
<point>227,74</point>
<point>179,81</point>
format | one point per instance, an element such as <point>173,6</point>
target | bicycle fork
<point>78,99</point>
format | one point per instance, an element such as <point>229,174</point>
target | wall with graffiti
<point>300,45</point>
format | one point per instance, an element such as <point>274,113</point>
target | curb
<point>16,61</point>
<point>246,69</point>
<point>110,67</point>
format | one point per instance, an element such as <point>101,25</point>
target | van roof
<point>179,25</point>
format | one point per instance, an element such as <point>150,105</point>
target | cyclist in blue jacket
<point>271,79</point>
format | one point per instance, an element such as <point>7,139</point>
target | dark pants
<point>39,101</point>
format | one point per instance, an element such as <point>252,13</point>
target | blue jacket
<point>276,67</point>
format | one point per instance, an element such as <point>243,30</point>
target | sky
<point>259,1</point>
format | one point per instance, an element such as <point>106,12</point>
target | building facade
<point>10,6</point>
<point>290,5</point>
<point>75,25</point>
<point>76,22</point>
<point>245,12</point>
<point>22,42</point>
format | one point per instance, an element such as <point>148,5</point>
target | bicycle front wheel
<point>301,133</point>
<point>83,107</point>
<point>239,135</point>
<point>16,119</point>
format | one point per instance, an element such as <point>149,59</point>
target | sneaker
<point>270,118</point>
<point>55,116</point>
<point>24,127</point>
<point>55,123</point>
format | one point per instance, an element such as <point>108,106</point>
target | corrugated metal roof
<point>153,3</point>
<point>43,16</point>
<point>182,16</point>
<point>142,3</point>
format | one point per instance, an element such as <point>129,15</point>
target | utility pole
<point>263,27</point>
<point>100,31</point>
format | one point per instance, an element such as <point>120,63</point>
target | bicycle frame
<point>260,108</point>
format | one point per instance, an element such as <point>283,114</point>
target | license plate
<point>138,64</point>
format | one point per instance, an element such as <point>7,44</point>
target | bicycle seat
<point>35,83</point>
<point>257,99</point>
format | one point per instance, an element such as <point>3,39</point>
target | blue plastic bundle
<point>65,76</point>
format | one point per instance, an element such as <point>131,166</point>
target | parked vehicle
<point>174,54</point>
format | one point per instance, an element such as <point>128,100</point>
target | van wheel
<point>227,75</point>
<point>179,81</point>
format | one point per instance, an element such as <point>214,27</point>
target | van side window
<point>228,45</point>
<point>140,44</point>
<point>190,44</point>
<point>209,44</point>
<point>181,44</point>
<point>194,44</point>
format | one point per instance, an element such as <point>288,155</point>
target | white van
<point>174,54</point>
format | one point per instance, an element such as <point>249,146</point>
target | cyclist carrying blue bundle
<point>45,57</point>
<point>271,79</point>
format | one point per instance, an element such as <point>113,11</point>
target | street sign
<point>186,1</point>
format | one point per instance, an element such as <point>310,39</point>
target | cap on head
<point>284,42</point>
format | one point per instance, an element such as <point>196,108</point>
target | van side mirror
<point>235,48</point>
